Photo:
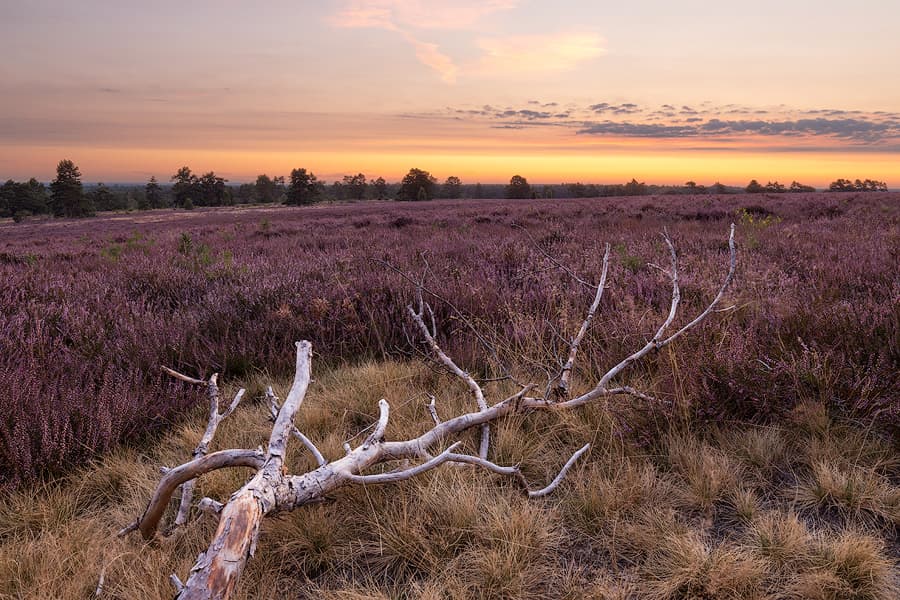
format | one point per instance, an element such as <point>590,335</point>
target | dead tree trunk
<point>272,489</point>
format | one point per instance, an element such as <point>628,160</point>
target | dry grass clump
<point>855,493</point>
<point>782,539</point>
<point>688,566</point>
<point>707,474</point>
<point>738,512</point>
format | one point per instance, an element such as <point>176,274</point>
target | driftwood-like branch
<point>659,341</point>
<point>149,521</point>
<point>563,386</point>
<point>432,410</point>
<point>272,489</point>
<point>418,317</point>
<point>272,399</point>
<point>212,423</point>
<point>210,506</point>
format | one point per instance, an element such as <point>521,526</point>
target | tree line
<point>69,197</point>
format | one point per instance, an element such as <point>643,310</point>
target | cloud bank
<point>726,123</point>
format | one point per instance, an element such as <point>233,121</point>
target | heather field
<point>767,467</point>
<point>92,308</point>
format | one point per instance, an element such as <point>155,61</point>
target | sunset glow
<point>555,91</point>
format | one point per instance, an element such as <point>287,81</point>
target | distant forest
<point>67,196</point>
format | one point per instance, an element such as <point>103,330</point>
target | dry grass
<point>807,510</point>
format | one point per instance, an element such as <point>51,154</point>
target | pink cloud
<point>545,52</point>
<point>430,56</point>
<point>418,14</point>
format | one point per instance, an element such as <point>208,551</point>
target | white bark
<point>217,570</point>
<point>419,319</point>
<point>563,386</point>
<point>212,423</point>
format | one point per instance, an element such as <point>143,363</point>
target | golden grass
<point>807,510</point>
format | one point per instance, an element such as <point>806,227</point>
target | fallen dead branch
<point>272,488</point>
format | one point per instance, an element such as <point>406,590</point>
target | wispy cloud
<point>407,16</point>
<point>418,14</point>
<point>499,54</point>
<point>431,56</point>
<point>533,53</point>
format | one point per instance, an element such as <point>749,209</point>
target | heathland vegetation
<point>767,466</point>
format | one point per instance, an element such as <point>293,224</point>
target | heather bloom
<point>90,310</point>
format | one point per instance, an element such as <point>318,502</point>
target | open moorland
<point>768,465</point>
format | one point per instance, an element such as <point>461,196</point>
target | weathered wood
<point>418,317</point>
<point>212,423</point>
<point>562,387</point>
<point>271,489</point>
<point>149,521</point>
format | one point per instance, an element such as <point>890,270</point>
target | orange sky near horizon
<point>561,91</point>
<point>664,168</point>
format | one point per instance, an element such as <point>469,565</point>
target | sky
<point>556,91</point>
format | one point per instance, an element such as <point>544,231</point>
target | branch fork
<point>272,488</point>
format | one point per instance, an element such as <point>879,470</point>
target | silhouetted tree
<point>452,187</point>
<point>575,190</point>
<point>718,188</point>
<point>303,188</point>
<point>775,187</point>
<point>754,187</point>
<point>21,200</point>
<point>265,189</point>
<point>518,188</point>
<point>66,196</point>
<point>869,185</point>
<point>104,199</point>
<point>413,182</point>
<point>797,187</point>
<point>380,187</point>
<point>153,195</point>
<point>213,191</point>
<point>548,192</point>
<point>337,191</point>
<point>634,188</point>
<point>479,191</point>
<point>187,187</point>
<point>355,186</point>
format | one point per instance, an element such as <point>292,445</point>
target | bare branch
<point>562,473</point>
<point>474,388</point>
<point>170,481</point>
<point>420,285</point>
<point>212,423</point>
<point>712,305</point>
<point>274,408</point>
<point>210,506</point>
<point>384,413</point>
<point>432,409</point>
<point>658,341</point>
<point>182,377</point>
<point>176,583</point>
<point>234,403</point>
<point>284,422</point>
<point>407,473</point>
<point>563,386</point>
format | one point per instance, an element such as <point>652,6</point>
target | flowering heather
<point>91,309</point>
